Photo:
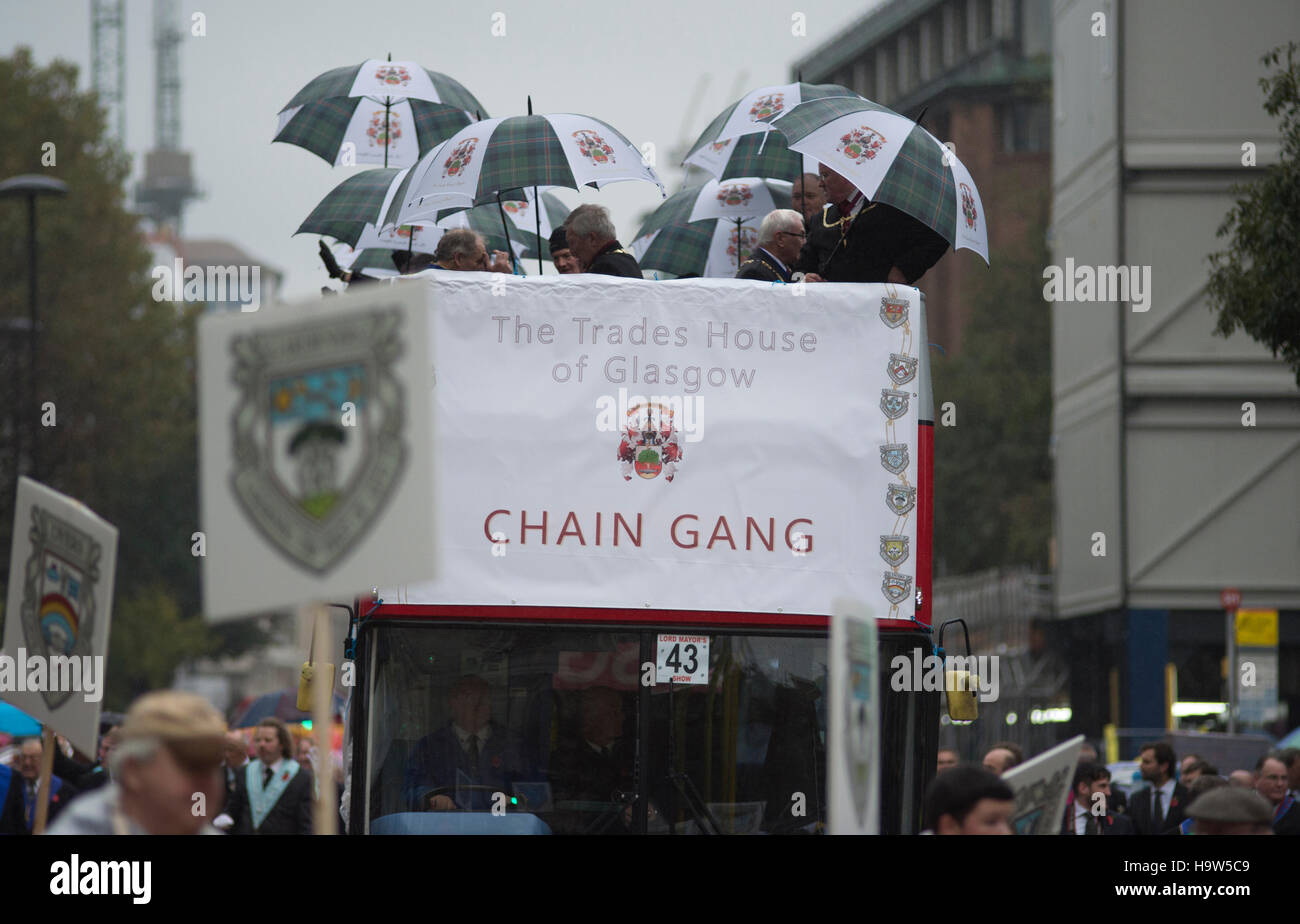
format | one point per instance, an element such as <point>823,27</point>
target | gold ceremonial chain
<point>765,263</point>
<point>891,436</point>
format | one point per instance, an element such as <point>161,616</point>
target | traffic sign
<point>1230,598</point>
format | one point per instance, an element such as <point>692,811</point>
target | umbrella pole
<point>325,815</point>
<point>537,205</point>
<point>504,227</point>
<point>388,138</point>
<point>410,242</point>
<point>48,744</point>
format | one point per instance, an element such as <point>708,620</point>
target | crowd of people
<point>169,766</point>
<point>833,234</point>
<point>1176,797</point>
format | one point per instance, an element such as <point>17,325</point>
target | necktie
<point>1157,816</point>
<point>1094,824</point>
<point>472,748</point>
<point>266,777</point>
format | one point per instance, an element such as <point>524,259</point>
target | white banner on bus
<point>701,444</point>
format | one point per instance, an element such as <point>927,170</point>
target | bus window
<point>743,753</point>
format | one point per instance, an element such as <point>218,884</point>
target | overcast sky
<point>656,72</point>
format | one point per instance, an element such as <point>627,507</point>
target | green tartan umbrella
<point>392,112</point>
<point>893,160</point>
<point>738,132</point>
<point>489,158</point>
<point>673,239</point>
<point>356,202</point>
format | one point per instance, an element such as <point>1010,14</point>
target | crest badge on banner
<point>58,612</point>
<point>1041,786</point>
<point>316,455</point>
<point>853,735</point>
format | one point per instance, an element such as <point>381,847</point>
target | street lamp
<point>29,186</point>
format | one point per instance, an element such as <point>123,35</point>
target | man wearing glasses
<point>780,238</point>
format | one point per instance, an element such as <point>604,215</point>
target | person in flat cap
<point>1230,810</point>
<point>563,258</point>
<point>166,772</point>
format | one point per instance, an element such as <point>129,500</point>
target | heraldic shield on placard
<point>319,431</point>
<point>60,579</point>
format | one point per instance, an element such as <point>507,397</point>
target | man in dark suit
<point>28,764</point>
<point>1163,807</point>
<point>464,763</point>
<point>595,768</point>
<point>1271,784</point>
<point>780,237</point>
<point>274,794</point>
<point>854,240</point>
<point>1089,812</point>
<point>594,241</point>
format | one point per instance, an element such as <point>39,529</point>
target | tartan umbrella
<point>893,160</point>
<point>393,112</point>
<point>482,161</point>
<point>710,229</point>
<point>750,115</point>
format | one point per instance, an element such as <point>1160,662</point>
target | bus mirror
<point>963,706</point>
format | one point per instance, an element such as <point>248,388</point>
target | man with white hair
<point>593,240</point>
<point>166,775</point>
<point>780,238</point>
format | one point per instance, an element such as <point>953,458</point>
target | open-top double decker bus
<point>563,719</point>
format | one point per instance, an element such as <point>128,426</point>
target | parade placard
<point>58,613</point>
<point>315,455</point>
<point>1041,785</point>
<point>706,444</point>
<point>853,735</point>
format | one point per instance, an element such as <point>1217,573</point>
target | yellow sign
<point>1257,628</point>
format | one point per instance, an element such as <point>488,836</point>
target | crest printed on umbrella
<point>894,550</point>
<point>516,209</point>
<point>893,311</point>
<point>593,147</point>
<point>459,158</point>
<point>734,194</point>
<point>649,445</point>
<point>861,144</point>
<point>393,75</point>
<point>896,587</point>
<point>901,498</point>
<point>894,457</point>
<point>745,237</point>
<point>893,403</point>
<point>767,106</point>
<point>318,432</point>
<point>379,135</point>
<point>59,580</point>
<point>901,368</point>
<point>968,206</point>
<point>719,146</point>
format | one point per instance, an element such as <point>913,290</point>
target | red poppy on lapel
<point>496,761</point>
<point>1173,803</point>
<point>285,777</point>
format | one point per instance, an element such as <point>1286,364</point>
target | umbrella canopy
<point>13,721</point>
<point>751,114</point>
<point>710,229</point>
<point>282,704</point>
<point>393,112</point>
<point>489,158</point>
<point>703,248</point>
<point>741,198</point>
<point>892,160</point>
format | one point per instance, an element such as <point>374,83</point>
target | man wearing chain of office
<point>854,240</point>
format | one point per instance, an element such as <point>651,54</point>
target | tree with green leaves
<point>992,469</point>
<point>117,367</point>
<point>1255,284</point>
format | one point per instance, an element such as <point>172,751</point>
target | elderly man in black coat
<point>854,240</point>
<point>593,240</point>
<point>780,238</point>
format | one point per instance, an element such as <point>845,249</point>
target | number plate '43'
<point>682,659</point>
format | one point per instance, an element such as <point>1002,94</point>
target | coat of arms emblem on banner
<point>319,432</point>
<point>59,581</point>
<point>649,445</point>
